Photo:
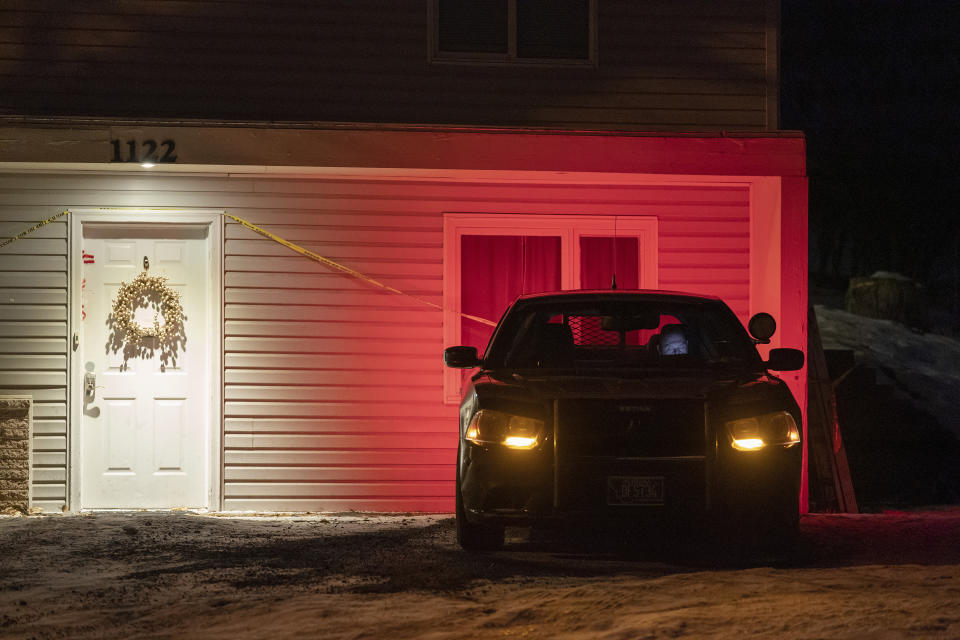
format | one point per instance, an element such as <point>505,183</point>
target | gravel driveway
<point>180,575</point>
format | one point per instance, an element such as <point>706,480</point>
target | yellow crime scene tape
<point>294,247</point>
<point>33,228</point>
<point>353,272</point>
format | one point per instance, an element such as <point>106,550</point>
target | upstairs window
<point>513,31</point>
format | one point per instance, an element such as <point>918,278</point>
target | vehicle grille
<point>630,428</point>
<point>597,439</point>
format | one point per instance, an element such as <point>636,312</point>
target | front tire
<point>783,528</point>
<point>475,537</point>
<point>752,536</point>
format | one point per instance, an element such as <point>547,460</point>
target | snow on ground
<point>179,575</point>
<point>926,367</point>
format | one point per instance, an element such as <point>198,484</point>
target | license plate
<point>627,490</point>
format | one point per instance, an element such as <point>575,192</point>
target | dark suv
<point>642,406</point>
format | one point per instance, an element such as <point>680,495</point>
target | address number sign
<point>145,151</point>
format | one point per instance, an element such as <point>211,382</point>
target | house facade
<point>324,188</point>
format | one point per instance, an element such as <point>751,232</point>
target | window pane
<point>597,255</point>
<point>497,269</point>
<point>553,29</point>
<point>477,26</point>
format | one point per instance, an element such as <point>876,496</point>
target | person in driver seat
<point>673,340</point>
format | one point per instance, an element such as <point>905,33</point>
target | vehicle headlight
<point>757,432</point>
<point>497,427</point>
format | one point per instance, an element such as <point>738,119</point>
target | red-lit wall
<point>333,394</point>
<point>333,388</point>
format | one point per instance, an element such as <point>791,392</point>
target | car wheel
<point>475,537</point>
<point>783,528</point>
<point>746,536</point>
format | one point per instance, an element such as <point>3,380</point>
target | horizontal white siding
<point>33,339</point>
<point>332,389</point>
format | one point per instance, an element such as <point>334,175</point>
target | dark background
<point>875,85</point>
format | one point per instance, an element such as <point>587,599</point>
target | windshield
<point>620,334</point>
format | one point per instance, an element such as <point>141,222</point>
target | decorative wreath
<point>131,296</point>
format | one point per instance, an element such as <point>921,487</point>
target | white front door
<point>145,433</point>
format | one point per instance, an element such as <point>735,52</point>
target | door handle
<point>89,385</point>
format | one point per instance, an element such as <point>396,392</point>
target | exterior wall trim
<point>213,218</point>
<point>387,150</point>
<point>765,264</point>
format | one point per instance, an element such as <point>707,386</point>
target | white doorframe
<point>213,220</point>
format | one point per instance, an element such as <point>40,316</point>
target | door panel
<point>120,444</point>
<point>146,431</point>
<point>170,434</point>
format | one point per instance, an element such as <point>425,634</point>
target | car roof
<point>617,294</point>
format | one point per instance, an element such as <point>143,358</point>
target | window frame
<point>511,57</point>
<point>570,228</point>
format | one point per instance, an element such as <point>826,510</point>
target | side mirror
<point>461,357</point>
<point>762,326</point>
<point>785,360</point>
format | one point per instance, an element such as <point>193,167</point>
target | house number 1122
<point>147,151</point>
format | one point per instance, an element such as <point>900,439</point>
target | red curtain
<point>597,256</point>
<point>497,269</point>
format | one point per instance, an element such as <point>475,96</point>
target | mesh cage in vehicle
<point>587,331</point>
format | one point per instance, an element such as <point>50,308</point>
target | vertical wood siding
<point>696,65</point>
<point>332,389</point>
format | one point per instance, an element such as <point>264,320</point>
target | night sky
<point>875,87</point>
